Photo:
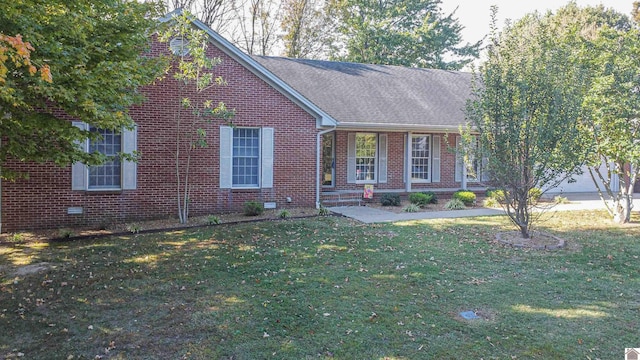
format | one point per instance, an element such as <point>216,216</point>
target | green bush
<point>284,214</point>
<point>467,197</point>
<point>535,194</point>
<point>454,204</point>
<point>323,211</point>
<point>213,220</point>
<point>490,202</point>
<point>411,208</point>
<point>497,195</point>
<point>434,197</point>
<point>253,208</point>
<point>390,199</point>
<point>420,199</point>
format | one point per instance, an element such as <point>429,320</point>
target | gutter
<point>398,127</point>
<point>318,154</point>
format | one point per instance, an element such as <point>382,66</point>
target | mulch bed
<point>537,241</point>
<point>141,227</point>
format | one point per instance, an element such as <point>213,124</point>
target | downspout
<point>318,154</point>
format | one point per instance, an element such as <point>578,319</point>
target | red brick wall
<point>43,199</point>
<point>395,165</point>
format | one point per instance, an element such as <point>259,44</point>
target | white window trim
<point>248,187</point>
<point>375,160</point>
<point>265,164</point>
<point>87,173</point>
<point>429,163</point>
<point>128,169</point>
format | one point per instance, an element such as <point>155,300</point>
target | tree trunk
<point>622,209</point>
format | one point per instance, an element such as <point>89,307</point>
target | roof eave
<point>397,127</point>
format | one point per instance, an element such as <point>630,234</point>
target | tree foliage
<point>412,33</point>
<point>611,125</point>
<point>307,29</point>
<point>94,52</point>
<point>193,69</point>
<point>15,56</point>
<point>525,108</point>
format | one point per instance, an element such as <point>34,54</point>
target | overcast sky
<point>474,14</point>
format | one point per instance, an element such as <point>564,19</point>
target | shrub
<point>467,197</point>
<point>420,199</point>
<point>65,233</point>
<point>17,238</point>
<point>434,197</point>
<point>411,208</point>
<point>133,228</point>
<point>253,208</point>
<point>535,194</point>
<point>213,220</point>
<point>490,202</point>
<point>390,199</point>
<point>497,195</point>
<point>323,211</point>
<point>283,214</point>
<point>454,204</point>
<point>560,200</point>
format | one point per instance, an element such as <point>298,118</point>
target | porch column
<point>407,164</point>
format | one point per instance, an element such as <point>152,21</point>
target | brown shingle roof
<point>377,95</point>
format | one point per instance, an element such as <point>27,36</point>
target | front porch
<point>330,198</point>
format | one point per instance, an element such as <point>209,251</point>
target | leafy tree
<point>15,62</point>
<point>612,123</point>
<point>94,52</point>
<point>607,44</point>
<point>217,14</point>
<point>193,69</point>
<point>307,28</point>
<point>525,108</point>
<point>257,22</point>
<point>401,32</point>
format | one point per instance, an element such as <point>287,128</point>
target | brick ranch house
<point>305,132</point>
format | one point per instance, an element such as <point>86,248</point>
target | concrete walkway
<point>369,215</point>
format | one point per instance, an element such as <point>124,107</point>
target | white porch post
<point>407,167</point>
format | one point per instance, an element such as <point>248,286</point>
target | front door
<point>328,160</point>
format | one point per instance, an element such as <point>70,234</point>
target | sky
<point>474,14</point>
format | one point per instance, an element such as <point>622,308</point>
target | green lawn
<point>327,287</point>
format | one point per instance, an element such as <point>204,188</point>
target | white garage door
<point>583,183</point>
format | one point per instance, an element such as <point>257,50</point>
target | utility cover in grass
<point>469,315</point>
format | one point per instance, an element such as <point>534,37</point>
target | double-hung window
<point>366,150</point>
<point>423,158</point>
<point>474,167</point>
<point>420,158</point>
<point>367,158</point>
<point>108,175</point>
<point>246,157</point>
<point>114,173</point>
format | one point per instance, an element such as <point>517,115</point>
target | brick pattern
<point>42,200</point>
